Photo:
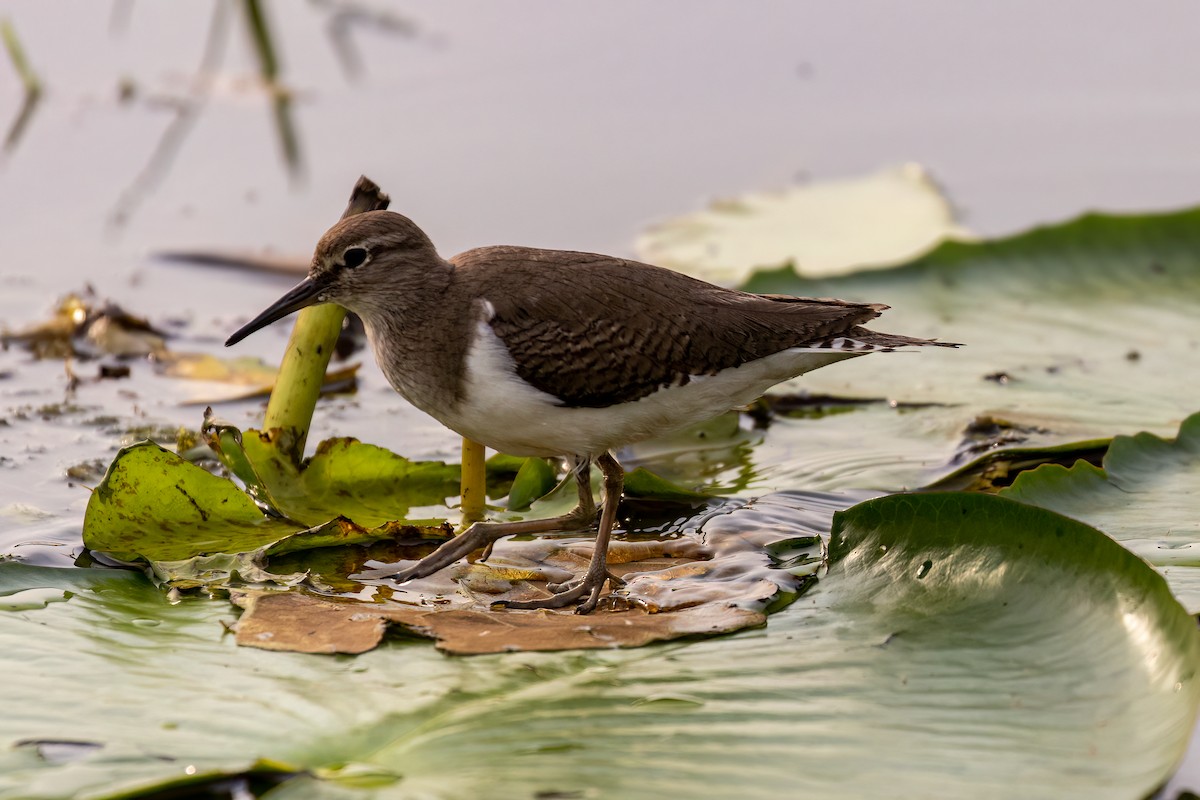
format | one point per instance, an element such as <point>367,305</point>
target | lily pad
<point>826,228</point>
<point>192,527</point>
<point>153,505</point>
<point>924,664</point>
<point>1101,308</point>
<point>642,483</point>
<point>344,477</point>
<point>1146,496</point>
<point>534,479</point>
<point>999,467</point>
<point>1073,331</point>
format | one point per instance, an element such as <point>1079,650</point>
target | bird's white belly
<point>507,414</point>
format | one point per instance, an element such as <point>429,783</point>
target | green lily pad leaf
<point>345,477</point>
<point>195,528</point>
<point>501,465</point>
<point>534,479</point>
<point>152,505</point>
<point>645,485</point>
<point>924,664</point>
<point>640,484</point>
<point>1147,497</point>
<point>715,454</point>
<point>999,468</point>
<point>1074,331</point>
<point>1093,308</point>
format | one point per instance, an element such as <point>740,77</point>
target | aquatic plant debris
<point>720,562</point>
<point>720,572</point>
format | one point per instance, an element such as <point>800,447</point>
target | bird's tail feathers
<point>861,340</point>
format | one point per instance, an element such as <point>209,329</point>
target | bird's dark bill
<point>302,295</point>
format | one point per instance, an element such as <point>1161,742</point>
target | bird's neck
<point>420,336</point>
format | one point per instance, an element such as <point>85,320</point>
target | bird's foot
<point>565,586</point>
<point>479,535</point>
<point>483,535</point>
<point>588,588</point>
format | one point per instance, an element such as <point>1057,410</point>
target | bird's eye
<point>355,256</point>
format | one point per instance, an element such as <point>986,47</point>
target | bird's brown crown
<point>372,233</point>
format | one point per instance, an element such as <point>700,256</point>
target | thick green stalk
<point>294,398</point>
<point>302,374</point>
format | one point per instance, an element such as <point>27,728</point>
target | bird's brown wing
<point>595,331</point>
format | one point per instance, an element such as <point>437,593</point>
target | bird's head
<point>363,262</point>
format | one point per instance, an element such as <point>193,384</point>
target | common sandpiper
<point>560,353</point>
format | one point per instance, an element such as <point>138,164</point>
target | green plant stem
<point>301,375</point>
<point>302,372</point>
<point>29,78</point>
<point>260,34</point>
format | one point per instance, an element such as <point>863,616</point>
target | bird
<point>536,352</point>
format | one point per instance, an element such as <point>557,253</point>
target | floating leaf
<point>825,228</point>
<point>345,477</point>
<point>716,573</point>
<point>645,485</point>
<point>153,505</point>
<point>999,467</point>
<point>1074,331</point>
<point>504,465</point>
<point>1096,308</point>
<point>535,478</point>
<point>1147,497</point>
<point>925,664</point>
<point>193,527</point>
<point>245,370</point>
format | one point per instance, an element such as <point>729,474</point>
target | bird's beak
<point>302,295</point>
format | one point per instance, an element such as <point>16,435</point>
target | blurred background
<point>227,125</point>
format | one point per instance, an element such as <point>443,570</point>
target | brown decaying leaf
<point>303,623</point>
<point>715,577</point>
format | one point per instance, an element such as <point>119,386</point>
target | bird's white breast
<point>508,414</point>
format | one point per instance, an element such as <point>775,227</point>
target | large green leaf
<point>1147,497</point>
<point>344,477</point>
<point>1080,330</point>
<point>154,505</point>
<point>959,646</point>
<point>193,527</point>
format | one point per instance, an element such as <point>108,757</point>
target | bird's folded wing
<point>628,329</point>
